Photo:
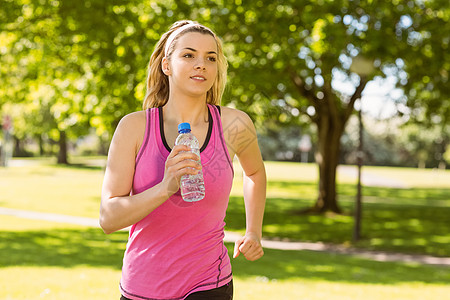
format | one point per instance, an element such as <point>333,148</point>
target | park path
<point>269,244</point>
<point>370,179</point>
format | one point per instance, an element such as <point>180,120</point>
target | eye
<point>212,58</point>
<point>188,55</point>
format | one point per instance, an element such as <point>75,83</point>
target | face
<point>192,67</point>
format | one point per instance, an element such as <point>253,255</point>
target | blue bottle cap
<point>184,127</point>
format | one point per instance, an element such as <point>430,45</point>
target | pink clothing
<point>178,248</point>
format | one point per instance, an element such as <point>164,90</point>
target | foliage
<point>447,154</point>
<point>310,48</point>
<point>287,60</point>
<point>423,69</point>
<point>67,76</point>
<point>392,142</point>
<point>283,144</point>
<point>387,142</point>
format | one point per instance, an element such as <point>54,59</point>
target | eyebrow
<point>194,50</point>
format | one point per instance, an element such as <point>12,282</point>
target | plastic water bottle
<point>192,186</point>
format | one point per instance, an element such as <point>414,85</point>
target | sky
<point>377,97</point>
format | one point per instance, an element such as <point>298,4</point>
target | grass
<point>409,220</point>
<point>54,189</point>
<point>78,263</point>
<point>412,220</point>
<point>47,260</point>
<point>405,222</point>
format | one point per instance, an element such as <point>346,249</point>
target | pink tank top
<point>178,248</point>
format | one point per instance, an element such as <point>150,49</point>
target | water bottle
<point>192,186</point>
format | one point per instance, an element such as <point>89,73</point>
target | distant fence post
<point>305,146</point>
<point>5,151</point>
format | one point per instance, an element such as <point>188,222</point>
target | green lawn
<point>47,260</point>
<point>409,220</point>
<point>55,261</point>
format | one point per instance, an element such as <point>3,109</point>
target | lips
<point>198,78</point>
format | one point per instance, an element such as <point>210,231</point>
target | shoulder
<point>235,118</point>
<point>238,129</point>
<point>131,129</point>
<point>132,123</point>
<point>133,119</point>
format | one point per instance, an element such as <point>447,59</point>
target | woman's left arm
<point>245,144</point>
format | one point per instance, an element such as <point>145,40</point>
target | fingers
<point>181,161</point>
<point>183,152</point>
<point>184,161</point>
<point>251,248</point>
<point>181,157</point>
<point>237,245</point>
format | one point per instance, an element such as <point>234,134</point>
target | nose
<point>200,64</point>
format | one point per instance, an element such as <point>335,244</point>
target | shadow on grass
<point>401,220</point>
<point>400,196</point>
<point>283,264</point>
<point>90,247</point>
<point>80,166</point>
<point>62,247</point>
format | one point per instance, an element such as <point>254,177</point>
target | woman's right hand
<point>181,161</point>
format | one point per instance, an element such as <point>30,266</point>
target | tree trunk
<point>103,147</point>
<point>41,144</point>
<point>19,148</point>
<point>330,126</point>
<point>62,155</point>
<point>331,115</point>
<point>327,157</point>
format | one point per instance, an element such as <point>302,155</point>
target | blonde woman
<point>175,248</point>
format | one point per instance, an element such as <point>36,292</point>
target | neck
<point>186,109</point>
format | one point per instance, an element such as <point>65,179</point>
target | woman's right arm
<point>118,209</point>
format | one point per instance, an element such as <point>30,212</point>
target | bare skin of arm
<point>242,142</point>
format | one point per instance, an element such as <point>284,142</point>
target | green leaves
<point>283,57</point>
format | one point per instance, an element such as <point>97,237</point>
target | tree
<point>290,55</point>
<point>288,60</point>
<point>447,154</point>
<point>47,69</point>
<point>293,55</point>
<point>57,62</point>
<point>423,68</point>
<point>396,142</point>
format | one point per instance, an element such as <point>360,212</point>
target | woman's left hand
<point>250,246</point>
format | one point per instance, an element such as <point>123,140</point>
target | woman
<point>175,248</point>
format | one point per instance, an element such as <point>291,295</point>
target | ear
<point>165,66</point>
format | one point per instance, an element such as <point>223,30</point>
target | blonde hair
<point>158,83</point>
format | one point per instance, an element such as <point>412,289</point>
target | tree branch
<point>331,104</point>
<point>300,84</point>
<point>308,94</point>
<point>356,95</point>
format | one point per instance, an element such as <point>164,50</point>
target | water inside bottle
<point>192,186</point>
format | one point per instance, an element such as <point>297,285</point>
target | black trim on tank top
<point>161,129</point>
<point>208,135</point>
<point>163,136</point>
